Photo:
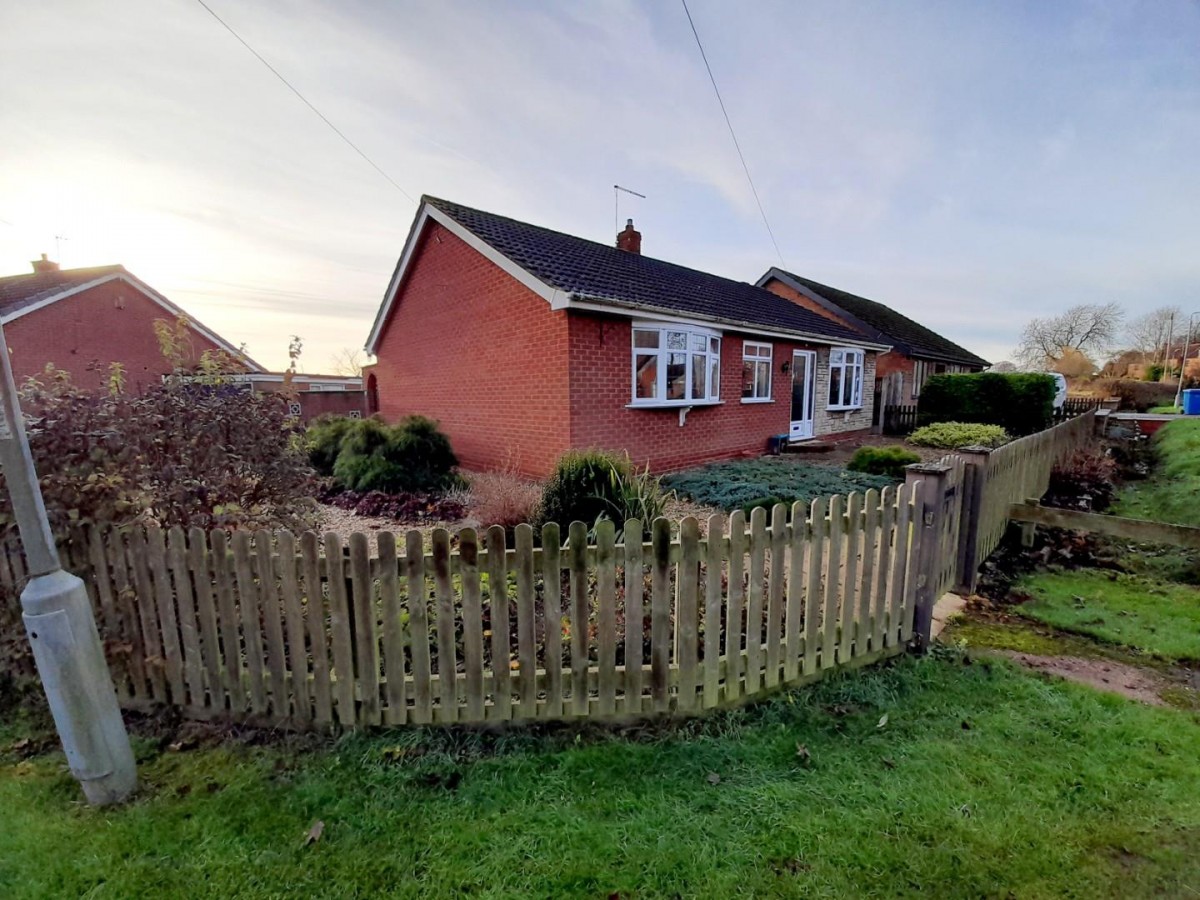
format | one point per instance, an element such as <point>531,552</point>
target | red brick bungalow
<point>525,342</point>
<point>917,351</point>
<point>81,320</point>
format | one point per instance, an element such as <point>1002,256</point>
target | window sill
<point>758,399</point>
<point>843,408</point>
<point>672,404</point>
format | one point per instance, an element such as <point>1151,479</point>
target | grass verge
<point>1172,492</point>
<point>1154,617</point>
<point>980,781</point>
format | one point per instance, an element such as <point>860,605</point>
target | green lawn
<point>981,781</point>
<point>733,485</point>
<point>1147,615</point>
<point>1172,492</point>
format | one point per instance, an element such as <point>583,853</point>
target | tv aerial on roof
<point>617,189</point>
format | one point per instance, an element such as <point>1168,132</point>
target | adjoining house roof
<point>20,291</point>
<point>880,321</point>
<point>24,294</point>
<point>575,272</point>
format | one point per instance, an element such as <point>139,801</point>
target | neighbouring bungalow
<point>83,320</point>
<point>524,342</point>
<point>917,352</point>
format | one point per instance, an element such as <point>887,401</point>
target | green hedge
<point>1019,403</point>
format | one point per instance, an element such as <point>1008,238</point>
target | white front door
<point>804,363</point>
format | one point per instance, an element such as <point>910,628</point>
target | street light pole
<point>62,628</point>
<point>1187,338</point>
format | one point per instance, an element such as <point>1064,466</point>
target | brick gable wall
<point>84,333</point>
<point>470,346</point>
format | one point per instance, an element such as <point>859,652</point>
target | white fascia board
<point>617,307</point>
<point>140,286</point>
<point>555,297</point>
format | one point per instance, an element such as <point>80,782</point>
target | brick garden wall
<point>83,334</point>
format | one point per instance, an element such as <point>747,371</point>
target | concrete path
<point>948,605</point>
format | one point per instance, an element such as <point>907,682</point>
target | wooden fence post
<point>930,525</point>
<point>975,463</point>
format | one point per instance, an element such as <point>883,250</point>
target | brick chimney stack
<point>44,265</point>
<point>630,240</point>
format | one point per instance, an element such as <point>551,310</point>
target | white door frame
<point>804,365</point>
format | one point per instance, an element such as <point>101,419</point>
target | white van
<point>1060,392</point>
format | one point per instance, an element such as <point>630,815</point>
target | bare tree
<point>1089,328</point>
<point>1003,367</point>
<point>347,361</point>
<point>1149,334</point>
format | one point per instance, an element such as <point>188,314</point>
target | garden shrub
<point>889,461</point>
<point>323,441</point>
<point>1084,480</point>
<point>1154,373</point>
<point>952,435</point>
<point>211,455</point>
<point>1020,403</point>
<point>410,456</point>
<point>583,488</point>
<point>738,483</point>
<point>767,503</point>
<point>503,498</point>
<point>1137,396</point>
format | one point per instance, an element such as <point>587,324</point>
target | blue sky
<point>971,164</point>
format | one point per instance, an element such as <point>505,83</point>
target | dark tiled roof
<point>588,270</point>
<point>19,291</point>
<point>891,326</point>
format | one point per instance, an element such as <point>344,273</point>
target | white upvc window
<point>675,365</point>
<point>756,372</point>
<point>846,378</point>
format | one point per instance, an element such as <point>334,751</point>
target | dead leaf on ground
<point>714,778</point>
<point>314,833</point>
<point>883,720</point>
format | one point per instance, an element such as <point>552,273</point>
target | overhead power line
<point>306,102</point>
<point>745,168</point>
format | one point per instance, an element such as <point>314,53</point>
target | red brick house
<point>81,320</point>
<point>917,351</point>
<point>525,342</point>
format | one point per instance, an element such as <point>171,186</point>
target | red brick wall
<point>83,334</point>
<point>337,403</point>
<point>601,389</point>
<point>775,286</point>
<point>468,345</point>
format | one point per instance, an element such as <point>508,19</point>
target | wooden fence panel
<point>418,623</point>
<point>687,602</point>
<point>815,590</point>
<point>272,623</point>
<point>735,607</point>
<point>472,616</point>
<point>206,610</point>
<point>366,629</point>
<point>580,617</point>
<point>181,577</point>
<point>833,567</point>
<point>498,613</point>
<point>776,582</point>
<point>795,594</point>
<point>552,613</point>
<point>315,620</point>
<point>886,539</point>
<point>754,603</point>
<point>635,583</point>
<point>342,674</point>
<point>849,587</point>
<point>606,616</point>
<point>231,640</point>
<point>447,662</point>
<point>293,615</point>
<point>526,634</point>
<point>660,615</point>
<point>714,562</point>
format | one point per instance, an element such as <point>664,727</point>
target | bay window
<point>756,372</point>
<point>845,378</point>
<point>675,365</point>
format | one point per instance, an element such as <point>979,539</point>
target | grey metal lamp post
<point>62,628</point>
<point>1183,361</point>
